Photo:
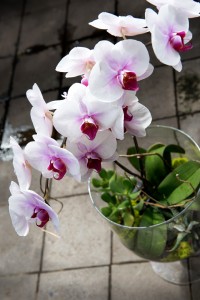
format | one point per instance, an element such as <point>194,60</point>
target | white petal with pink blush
<point>27,207</point>
<point>46,156</point>
<point>83,114</point>
<point>136,119</point>
<point>78,62</point>
<point>189,7</point>
<point>91,154</point>
<point>21,166</point>
<point>118,68</point>
<point>40,114</point>
<point>120,26</point>
<point>170,35</point>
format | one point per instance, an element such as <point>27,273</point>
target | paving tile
<point>67,186</point>
<point>136,281</point>
<point>7,174</point>
<point>35,5</point>
<point>135,8</point>
<point>6,70</point>
<point>46,27</point>
<point>18,287</point>
<point>78,23</point>
<point>190,124</point>
<point>18,254</point>
<point>195,291</point>
<point>195,29</point>
<point>167,122</point>
<point>82,284</point>
<point>2,111</point>
<point>85,238</point>
<point>188,87</point>
<point>195,276</point>
<point>122,254</point>
<point>9,25</point>
<point>157,93</point>
<point>37,68</point>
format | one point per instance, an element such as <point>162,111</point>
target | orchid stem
<point>126,169</point>
<point>140,158</point>
<point>46,191</point>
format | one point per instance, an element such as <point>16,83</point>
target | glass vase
<point>176,262</point>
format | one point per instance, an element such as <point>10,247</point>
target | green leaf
<point>108,198</point>
<point>173,189</point>
<point>154,165</point>
<point>151,241</point>
<point>123,205</point>
<point>139,205</point>
<point>133,196</point>
<point>96,182</point>
<point>157,168</point>
<point>134,160</point>
<point>128,186</point>
<point>172,149</point>
<point>103,174</point>
<point>116,184</point>
<point>110,174</point>
<point>106,211</point>
<point>128,219</point>
<point>120,185</point>
<point>114,216</point>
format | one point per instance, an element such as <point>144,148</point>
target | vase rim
<point>194,199</point>
<point>175,129</point>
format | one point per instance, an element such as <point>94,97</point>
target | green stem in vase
<point>142,172</point>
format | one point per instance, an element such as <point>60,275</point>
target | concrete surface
<point>88,262</point>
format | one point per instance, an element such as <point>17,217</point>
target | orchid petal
<point>120,26</point>
<point>140,121</point>
<point>103,78</point>
<point>22,207</point>
<point>35,97</point>
<point>42,122</point>
<point>21,167</point>
<point>77,62</point>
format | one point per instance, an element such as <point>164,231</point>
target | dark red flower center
<point>94,162</point>
<point>127,115</point>
<point>178,43</point>
<point>41,216</point>
<point>89,128</point>
<point>128,80</point>
<point>58,167</point>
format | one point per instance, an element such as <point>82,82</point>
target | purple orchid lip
<point>94,164</point>
<point>128,80</point>
<point>58,167</point>
<point>89,129</point>
<point>177,42</point>
<point>127,116</point>
<point>41,215</point>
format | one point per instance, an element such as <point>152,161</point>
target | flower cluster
<point>97,111</point>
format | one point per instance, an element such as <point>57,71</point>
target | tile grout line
<point>76,268</point>
<point>40,267</point>
<point>64,42</point>
<point>110,267</point>
<point>14,63</point>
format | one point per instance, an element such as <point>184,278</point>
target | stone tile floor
<point>88,262</point>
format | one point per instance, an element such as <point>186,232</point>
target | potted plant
<point>153,204</point>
